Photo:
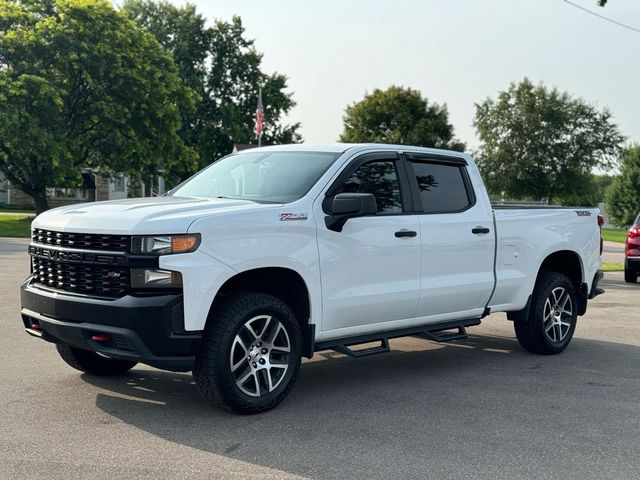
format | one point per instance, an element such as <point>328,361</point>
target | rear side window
<point>442,187</point>
<point>379,178</point>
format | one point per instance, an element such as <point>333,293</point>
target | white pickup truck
<point>272,254</point>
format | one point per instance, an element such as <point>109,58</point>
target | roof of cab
<point>343,147</point>
<point>299,147</point>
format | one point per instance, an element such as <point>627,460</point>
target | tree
<point>225,69</point>
<point>401,116</point>
<point>82,85</point>
<point>623,196</point>
<point>592,192</point>
<point>542,144</point>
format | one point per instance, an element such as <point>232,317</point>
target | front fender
<point>202,277</point>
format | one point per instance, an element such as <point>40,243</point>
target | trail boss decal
<point>293,216</point>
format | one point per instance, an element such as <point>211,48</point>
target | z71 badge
<point>293,216</point>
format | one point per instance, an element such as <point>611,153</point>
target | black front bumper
<point>146,329</point>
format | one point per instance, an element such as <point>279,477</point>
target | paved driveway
<point>479,408</point>
<point>613,252</point>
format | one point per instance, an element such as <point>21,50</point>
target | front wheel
<point>93,363</point>
<point>630,276</point>
<point>552,315</point>
<point>251,353</point>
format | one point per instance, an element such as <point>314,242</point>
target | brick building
<point>94,187</point>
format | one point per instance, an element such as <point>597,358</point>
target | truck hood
<point>154,215</point>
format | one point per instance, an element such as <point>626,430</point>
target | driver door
<point>371,269</point>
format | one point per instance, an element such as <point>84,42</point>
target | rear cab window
<point>443,187</point>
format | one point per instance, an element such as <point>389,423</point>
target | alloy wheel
<point>260,355</point>
<point>558,315</point>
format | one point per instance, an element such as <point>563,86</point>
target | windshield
<point>278,177</point>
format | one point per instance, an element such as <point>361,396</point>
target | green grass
<point>614,234</point>
<point>612,267</point>
<point>15,225</point>
<point>13,208</point>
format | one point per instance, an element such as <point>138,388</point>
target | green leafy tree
<point>224,67</point>
<point>542,144</point>
<point>82,85</point>
<point>592,192</point>
<point>623,195</point>
<point>400,116</point>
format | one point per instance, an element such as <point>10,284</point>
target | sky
<point>457,52</point>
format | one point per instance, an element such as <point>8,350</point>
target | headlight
<point>165,244</point>
<point>153,278</point>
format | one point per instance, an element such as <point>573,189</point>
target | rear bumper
<point>632,263</point>
<point>146,329</point>
<point>595,290</point>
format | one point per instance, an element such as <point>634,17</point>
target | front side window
<point>379,178</point>
<point>442,187</point>
<point>264,177</point>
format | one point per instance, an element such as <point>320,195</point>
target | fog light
<point>153,278</point>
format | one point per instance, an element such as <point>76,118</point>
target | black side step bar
<point>365,352</point>
<point>436,332</point>
<point>438,336</point>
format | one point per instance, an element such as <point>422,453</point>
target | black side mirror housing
<point>349,205</point>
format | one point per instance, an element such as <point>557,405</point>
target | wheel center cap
<point>254,353</point>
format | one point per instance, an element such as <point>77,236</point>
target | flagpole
<point>260,107</point>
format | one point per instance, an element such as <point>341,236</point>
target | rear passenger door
<point>457,239</point>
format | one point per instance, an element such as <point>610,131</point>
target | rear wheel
<point>251,354</point>
<point>630,276</point>
<point>552,315</point>
<point>93,363</point>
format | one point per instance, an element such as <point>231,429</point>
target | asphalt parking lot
<point>479,408</point>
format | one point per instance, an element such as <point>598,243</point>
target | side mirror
<point>349,205</point>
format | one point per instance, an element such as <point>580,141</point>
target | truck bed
<point>525,235</point>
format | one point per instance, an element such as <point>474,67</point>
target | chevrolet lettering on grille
<point>75,257</point>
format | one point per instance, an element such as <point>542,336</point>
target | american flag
<point>259,127</point>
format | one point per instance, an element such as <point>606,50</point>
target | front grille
<point>86,241</point>
<point>110,281</point>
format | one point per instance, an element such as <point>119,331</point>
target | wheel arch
<point>281,282</point>
<point>567,262</point>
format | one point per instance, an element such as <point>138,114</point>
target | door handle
<point>405,233</point>
<point>478,230</point>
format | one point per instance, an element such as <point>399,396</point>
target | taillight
<point>600,224</point>
<point>632,245</point>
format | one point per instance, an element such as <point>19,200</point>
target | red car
<point>632,253</point>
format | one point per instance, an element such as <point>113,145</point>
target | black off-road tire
<point>92,363</point>
<point>630,276</point>
<point>212,369</point>
<point>531,332</point>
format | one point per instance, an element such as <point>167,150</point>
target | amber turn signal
<point>184,243</point>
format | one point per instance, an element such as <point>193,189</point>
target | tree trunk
<point>40,200</point>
